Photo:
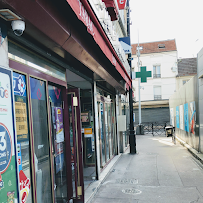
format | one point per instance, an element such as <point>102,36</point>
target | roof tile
<point>153,47</point>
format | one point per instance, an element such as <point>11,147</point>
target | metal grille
<point>157,97</point>
<point>155,128</point>
<point>156,75</point>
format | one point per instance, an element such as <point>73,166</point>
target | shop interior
<point>87,121</point>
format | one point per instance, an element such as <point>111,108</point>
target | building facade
<point>161,59</point>
<point>61,83</point>
<point>187,68</point>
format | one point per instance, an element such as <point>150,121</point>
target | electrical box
<point>121,123</point>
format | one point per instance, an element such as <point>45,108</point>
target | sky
<point>157,20</point>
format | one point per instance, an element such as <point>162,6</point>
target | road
<point>160,172</point>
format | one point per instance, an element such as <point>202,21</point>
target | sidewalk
<point>160,172</point>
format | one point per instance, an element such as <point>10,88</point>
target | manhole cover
<point>127,181</point>
<point>132,191</point>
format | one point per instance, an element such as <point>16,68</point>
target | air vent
<point>161,46</point>
<point>8,15</point>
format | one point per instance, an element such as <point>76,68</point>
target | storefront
<point>47,127</point>
<point>65,130</point>
<point>107,126</point>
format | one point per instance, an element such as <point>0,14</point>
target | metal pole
<point>132,132</point>
<point>138,56</point>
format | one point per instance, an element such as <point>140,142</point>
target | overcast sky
<point>181,20</point>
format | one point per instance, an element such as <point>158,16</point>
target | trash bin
<point>169,130</point>
<point>140,129</point>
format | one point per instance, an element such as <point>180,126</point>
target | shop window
<point>41,140</point>
<point>23,136</point>
<point>58,148</point>
<point>107,131</point>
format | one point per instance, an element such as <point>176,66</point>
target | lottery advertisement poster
<point>8,161</point>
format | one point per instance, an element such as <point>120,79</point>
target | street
<point>160,172</point>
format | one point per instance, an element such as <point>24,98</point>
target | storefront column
<point>97,146</point>
<point>3,45</point>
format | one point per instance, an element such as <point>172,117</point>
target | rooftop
<point>187,66</point>
<point>155,47</point>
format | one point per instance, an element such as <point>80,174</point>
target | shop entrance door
<point>76,144</point>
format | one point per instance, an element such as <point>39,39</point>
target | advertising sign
<point>87,132</point>
<point>181,117</point>
<point>121,4</point>
<point>24,187</point>
<point>125,43</point>
<point>192,117</point>
<point>8,161</point>
<point>186,117</point>
<point>177,117</point>
<point>59,124</point>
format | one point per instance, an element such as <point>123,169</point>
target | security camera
<point>18,27</point>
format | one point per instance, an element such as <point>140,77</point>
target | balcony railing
<point>156,75</point>
<point>157,97</point>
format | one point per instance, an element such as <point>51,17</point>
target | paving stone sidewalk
<point>160,172</point>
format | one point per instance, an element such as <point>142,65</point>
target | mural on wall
<point>186,117</point>
<point>181,117</point>
<point>177,117</point>
<point>192,117</point>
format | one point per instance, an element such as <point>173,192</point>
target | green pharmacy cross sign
<point>143,74</point>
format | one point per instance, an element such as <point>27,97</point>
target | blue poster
<point>177,117</point>
<point>186,117</point>
<point>19,84</point>
<point>54,94</point>
<point>37,89</point>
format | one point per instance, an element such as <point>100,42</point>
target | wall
<point>200,85</point>
<point>166,60</point>
<point>4,45</point>
<point>179,81</point>
<point>186,120</point>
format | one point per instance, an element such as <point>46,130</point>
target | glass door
<point>58,144</point>
<point>41,140</point>
<point>76,144</point>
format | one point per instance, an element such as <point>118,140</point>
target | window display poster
<point>8,161</point>
<point>59,124</point>
<point>186,117</point>
<point>177,117</point>
<point>20,93</point>
<point>24,182</point>
<point>59,156</point>
<point>21,121</point>
<point>192,117</point>
<point>181,117</point>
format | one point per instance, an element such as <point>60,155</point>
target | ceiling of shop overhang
<point>77,81</point>
<point>48,22</point>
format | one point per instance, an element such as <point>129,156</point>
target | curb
<point>194,152</point>
<point>97,184</point>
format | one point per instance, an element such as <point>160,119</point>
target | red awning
<point>112,9</point>
<point>84,13</point>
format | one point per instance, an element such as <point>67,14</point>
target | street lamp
<point>132,136</point>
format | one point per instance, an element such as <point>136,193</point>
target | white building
<point>161,59</point>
